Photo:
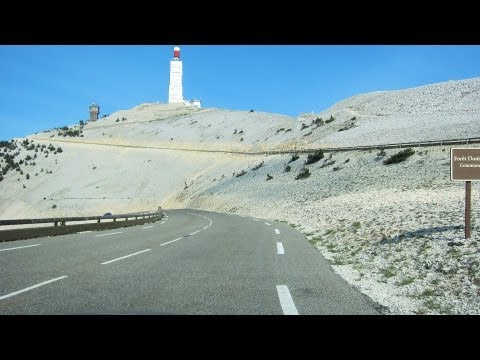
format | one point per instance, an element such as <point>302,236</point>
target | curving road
<point>191,262</point>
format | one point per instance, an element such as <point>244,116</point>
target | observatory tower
<point>94,111</point>
<point>175,91</point>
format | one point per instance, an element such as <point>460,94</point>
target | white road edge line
<point>196,232</point>
<point>119,232</point>
<point>204,228</point>
<point>280,249</point>
<point>84,232</point>
<point>124,257</point>
<point>168,242</point>
<point>256,219</point>
<point>147,227</point>
<point>267,224</point>
<point>19,247</point>
<point>286,301</point>
<point>277,231</point>
<point>31,287</point>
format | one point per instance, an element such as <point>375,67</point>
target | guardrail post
<point>114,219</point>
<point>62,223</point>
<point>98,221</point>
<point>56,223</point>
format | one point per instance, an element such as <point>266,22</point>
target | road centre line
<point>19,247</point>
<point>196,232</point>
<point>256,219</point>
<point>286,301</point>
<point>124,257</point>
<point>267,224</point>
<point>168,242</point>
<point>31,287</point>
<point>119,232</point>
<point>280,249</point>
<point>277,231</point>
<point>204,228</point>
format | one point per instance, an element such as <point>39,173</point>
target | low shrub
<point>257,166</point>
<point>295,157</point>
<point>330,120</point>
<point>399,157</point>
<point>303,174</point>
<point>313,158</point>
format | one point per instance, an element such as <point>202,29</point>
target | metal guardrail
<point>277,152</point>
<point>130,219</point>
<point>376,147</point>
<point>62,221</point>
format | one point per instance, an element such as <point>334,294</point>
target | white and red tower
<point>175,90</point>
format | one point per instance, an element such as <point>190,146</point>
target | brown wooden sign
<point>465,164</point>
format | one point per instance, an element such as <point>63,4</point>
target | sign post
<point>465,166</point>
<point>468,197</point>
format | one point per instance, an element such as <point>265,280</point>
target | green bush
<point>59,150</point>
<point>399,157</point>
<point>319,121</point>
<point>330,120</point>
<point>243,172</point>
<point>288,168</point>
<point>303,174</point>
<point>304,126</point>
<point>269,177</point>
<point>313,158</point>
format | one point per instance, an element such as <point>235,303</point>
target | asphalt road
<point>191,262</point>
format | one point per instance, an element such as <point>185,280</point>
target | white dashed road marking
<point>277,231</point>
<point>19,247</point>
<point>286,301</point>
<point>280,249</point>
<point>124,257</point>
<point>267,224</point>
<point>84,232</point>
<point>168,242</point>
<point>119,232</point>
<point>31,287</point>
<point>147,227</point>
<point>256,219</point>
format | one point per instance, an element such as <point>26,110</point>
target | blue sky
<point>42,87</point>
